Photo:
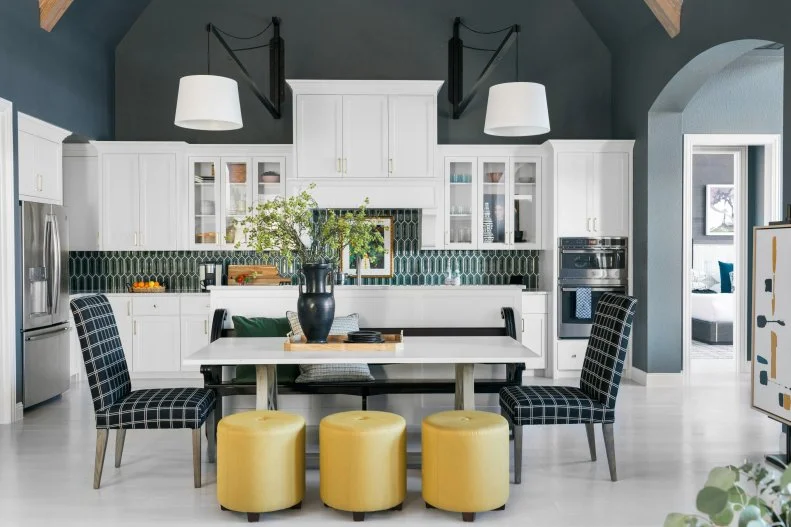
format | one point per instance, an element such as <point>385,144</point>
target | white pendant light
<point>208,102</point>
<point>517,109</point>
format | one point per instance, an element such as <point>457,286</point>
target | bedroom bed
<point>712,317</point>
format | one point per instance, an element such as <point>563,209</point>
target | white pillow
<point>340,325</point>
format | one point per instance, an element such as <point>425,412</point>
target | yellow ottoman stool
<point>362,462</point>
<point>260,462</point>
<point>465,462</point>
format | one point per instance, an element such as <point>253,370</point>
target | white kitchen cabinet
<point>318,129</point>
<point>570,354</point>
<point>492,201</point>
<point>40,160</point>
<point>194,336</point>
<point>158,191</point>
<point>593,193</point>
<point>82,197</point>
<point>365,129</point>
<point>365,141</point>
<point>122,311</point>
<point>412,135</point>
<point>534,328</point>
<point>120,202</point>
<point>156,344</point>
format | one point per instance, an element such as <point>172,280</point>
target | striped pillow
<point>331,372</point>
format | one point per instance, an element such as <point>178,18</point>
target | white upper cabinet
<point>121,202</point>
<point>593,188</point>
<point>158,193</point>
<point>365,136</point>
<point>318,131</point>
<point>365,129</point>
<point>81,196</point>
<point>412,135</point>
<point>40,160</point>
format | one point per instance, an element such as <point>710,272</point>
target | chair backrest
<point>606,353</point>
<point>102,352</point>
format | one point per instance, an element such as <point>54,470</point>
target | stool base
<point>254,517</point>
<point>467,516</point>
<point>360,516</point>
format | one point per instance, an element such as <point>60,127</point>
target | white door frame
<point>772,211</point>
<point>8,406</point>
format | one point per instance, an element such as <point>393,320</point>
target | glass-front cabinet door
<point>493,219</point>
<point>237,198</point>
<point>205,202</point>
<point>269,178</point>
<point>460,202</point>
<point>525,195</point>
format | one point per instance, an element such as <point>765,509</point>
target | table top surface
<point>417,350</point>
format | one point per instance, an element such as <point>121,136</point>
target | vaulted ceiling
<point>104,21</point>
<point>617,21</point>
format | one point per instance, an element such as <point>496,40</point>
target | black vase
<point>316,305</point>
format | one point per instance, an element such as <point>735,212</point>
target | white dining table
<point>463,352</point>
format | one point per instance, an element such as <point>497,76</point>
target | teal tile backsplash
<point>111,271</point>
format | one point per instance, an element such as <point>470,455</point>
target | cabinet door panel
<point>411,135</point>
<point>28,182</point>
<point>534,338</point>
<point>493,220</point>
<point>48,169</point>
<point>122,310</point>
<point>205,202</point>
<point>365,136</point>
<point>82,201</point>
<point>574,181</point>
<point>121,202</point>
<point>461,202</point>
<point>158,202</point>
<point>319,135</point>
<point>157,344</point>
<point>610,203</point>
<point>194,336</point>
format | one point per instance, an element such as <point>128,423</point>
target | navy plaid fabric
<point>594,400</point>
<point>114,402</point>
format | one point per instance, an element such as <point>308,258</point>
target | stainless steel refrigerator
<point>45,304</point>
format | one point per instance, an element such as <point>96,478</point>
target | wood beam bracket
<point>50,12</point>
<point>668,12</point>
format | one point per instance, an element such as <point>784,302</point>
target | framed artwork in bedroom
<point>720,200</point>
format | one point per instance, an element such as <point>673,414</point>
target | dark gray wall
<point>64,77</point>
<point>643,64</point>
<point>708,169</point>
<point>361,39</point>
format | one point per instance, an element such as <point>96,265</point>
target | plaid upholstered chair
<point>594,401</point>
<point>119,408</point>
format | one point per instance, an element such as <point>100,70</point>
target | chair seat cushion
<point>551,405</point>
<point>164,408</point>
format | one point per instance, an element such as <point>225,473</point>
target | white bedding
<point>718,307</point>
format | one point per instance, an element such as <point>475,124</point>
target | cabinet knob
<point>595,228</point>
<point>588,224</point>
<point>574,356</point>
<point>338,165</point>
<point>390,165</point>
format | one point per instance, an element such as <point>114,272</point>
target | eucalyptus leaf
<point>750,514</point>
<point>722,478</point>
<point>724,518</point>
<point>785,479</point>
<point>737,496</point>
<point>711,500</point>
<point>757,523</point>
<point>675,519</point>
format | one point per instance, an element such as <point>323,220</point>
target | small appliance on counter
<point>210,273</point>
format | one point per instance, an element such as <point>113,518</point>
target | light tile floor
<point>667,439</point>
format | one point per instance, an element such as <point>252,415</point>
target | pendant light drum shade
<point>517,109</point>
<point>208,102</point>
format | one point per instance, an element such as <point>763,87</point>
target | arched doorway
<point>670,252</point>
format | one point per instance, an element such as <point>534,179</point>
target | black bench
<point>212,375</point>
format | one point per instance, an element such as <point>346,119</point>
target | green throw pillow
<point>263,327</point>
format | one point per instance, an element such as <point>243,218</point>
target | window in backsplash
<point>111,271</point>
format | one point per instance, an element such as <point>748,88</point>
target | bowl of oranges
<point>147,287</point>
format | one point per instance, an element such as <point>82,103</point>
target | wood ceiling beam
<point>50,11</point>
<point>668,12</point>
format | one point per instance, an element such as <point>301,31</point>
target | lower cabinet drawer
<point>571,354</point>
<point>534,303</point>
<point>195,305</point>
<point>151,305</point>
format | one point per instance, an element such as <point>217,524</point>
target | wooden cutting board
<point>265,274</point>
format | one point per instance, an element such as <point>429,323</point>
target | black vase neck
<point>316,277</point>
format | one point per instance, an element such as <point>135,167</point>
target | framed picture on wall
<point>376,264</point>
<point>720,200</point>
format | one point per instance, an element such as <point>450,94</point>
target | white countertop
<point>417,350</point>
<point>236,288</point>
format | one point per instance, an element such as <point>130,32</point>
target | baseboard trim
<point>656,379</point>
<point>19,410</point>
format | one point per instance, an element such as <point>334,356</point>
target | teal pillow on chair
<point>263,327</point>
<point>726,270</point>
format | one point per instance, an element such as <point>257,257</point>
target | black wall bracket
<point>277,60</point>
<point>456,66</point>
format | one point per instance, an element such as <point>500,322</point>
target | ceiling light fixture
<point>514,108</point>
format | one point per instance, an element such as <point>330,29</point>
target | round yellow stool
<point>362,462</point>
<point>260,462</point>
<point>465,462</point>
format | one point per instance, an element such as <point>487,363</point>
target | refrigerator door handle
<point>56,277</point>
<point>49,263</point>
<point>50,334</point>
<point>52,261</point>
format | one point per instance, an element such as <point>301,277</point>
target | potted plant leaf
<point>291,227</point>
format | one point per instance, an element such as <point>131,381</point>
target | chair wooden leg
<point>591,440</point>
<point>120,437</point>
<point>468,516</point>
<point>211,437</point>
<point>196,457</point>
<point>609,446</point>
<point>101,449</point>
<point>517,454</point>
